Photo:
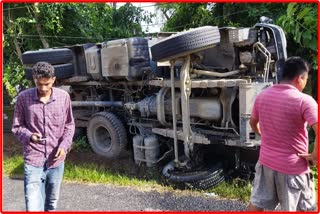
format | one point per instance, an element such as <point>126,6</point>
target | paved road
<point>76,197</point>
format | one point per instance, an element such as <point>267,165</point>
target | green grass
<point>235,189</point>
<point>83,173</point>
<point>81,145</point>
<point>314,171</point>
<point>93,173</point>
<point>13,166</point>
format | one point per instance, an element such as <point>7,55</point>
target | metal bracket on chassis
<point>185,87</point>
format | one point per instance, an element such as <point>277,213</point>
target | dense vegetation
<point>30,26</point>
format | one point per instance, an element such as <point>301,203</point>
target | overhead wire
<point>14,8</point>
<point>226,15</point>
<point>146,25</point>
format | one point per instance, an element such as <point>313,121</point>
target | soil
<point>11,146</point>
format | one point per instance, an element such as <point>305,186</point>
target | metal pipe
<point>185,88</point>
<point>111,95</point>
<point>215,74</point>
<point>97,103</point>
<point>160,106</point>
<point>174,118</point>
<point>267,54</point>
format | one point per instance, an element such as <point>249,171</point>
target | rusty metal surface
<point>219,83</point>
<point>97,103</point>
<point>196,137</point>
<point>75,79</point>
<point>185,88</point>
<point>115,61</point>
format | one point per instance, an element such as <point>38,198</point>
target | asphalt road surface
<point>84,197</point>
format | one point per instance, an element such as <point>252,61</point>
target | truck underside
<point>189,105</point>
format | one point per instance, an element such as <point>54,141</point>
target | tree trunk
<point>39,28</point>
<point>219,13</point>
<point>15,41</point>
<point>164,12</point>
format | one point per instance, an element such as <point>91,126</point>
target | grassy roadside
<point>82,166</point>
<point>81,173</point>
<point>95,174</point>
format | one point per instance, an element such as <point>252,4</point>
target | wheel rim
<point>102,138</point>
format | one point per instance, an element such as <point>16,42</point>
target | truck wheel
<point>185,43</point>
<point>52,56</point>
<point>106,135</point>
<point>203,178</point>
<point>61,71</point>
<point>208,182</point>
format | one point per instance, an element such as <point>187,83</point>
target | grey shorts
<point>292,192</point>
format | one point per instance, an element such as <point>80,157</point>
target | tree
<point>300,25</point>
<point>15,24</point>
<point>245,15</point>
<point>31,26</point>
<point>184,15</point>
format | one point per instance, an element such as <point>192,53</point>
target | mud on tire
<point>185,43</point>
<point>106,135</point>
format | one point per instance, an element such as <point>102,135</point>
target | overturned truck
<point>183,100</point>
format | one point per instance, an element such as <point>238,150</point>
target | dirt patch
<point>124,165</point>
<point>11,146</point>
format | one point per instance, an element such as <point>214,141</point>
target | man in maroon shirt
<point>44,124</point>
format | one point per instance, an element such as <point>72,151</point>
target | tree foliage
<point>29,26</point>
<point>185,15</point>
<point>300,24</point>
<point>245,15</point>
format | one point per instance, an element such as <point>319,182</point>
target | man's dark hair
<point>293,67</point>
<point>42,70</point>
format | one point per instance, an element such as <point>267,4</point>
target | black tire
<point>52,56</point>
<point>208,182</point>
<point>203,178</point>
<point>61,71</point>
<point>185,43</point>
<point>106,135</point>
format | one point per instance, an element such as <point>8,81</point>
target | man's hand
<point>36,138</point>
<point>60,153</point>
<point>311,158</point>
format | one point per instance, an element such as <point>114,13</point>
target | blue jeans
<point>42,187</point>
